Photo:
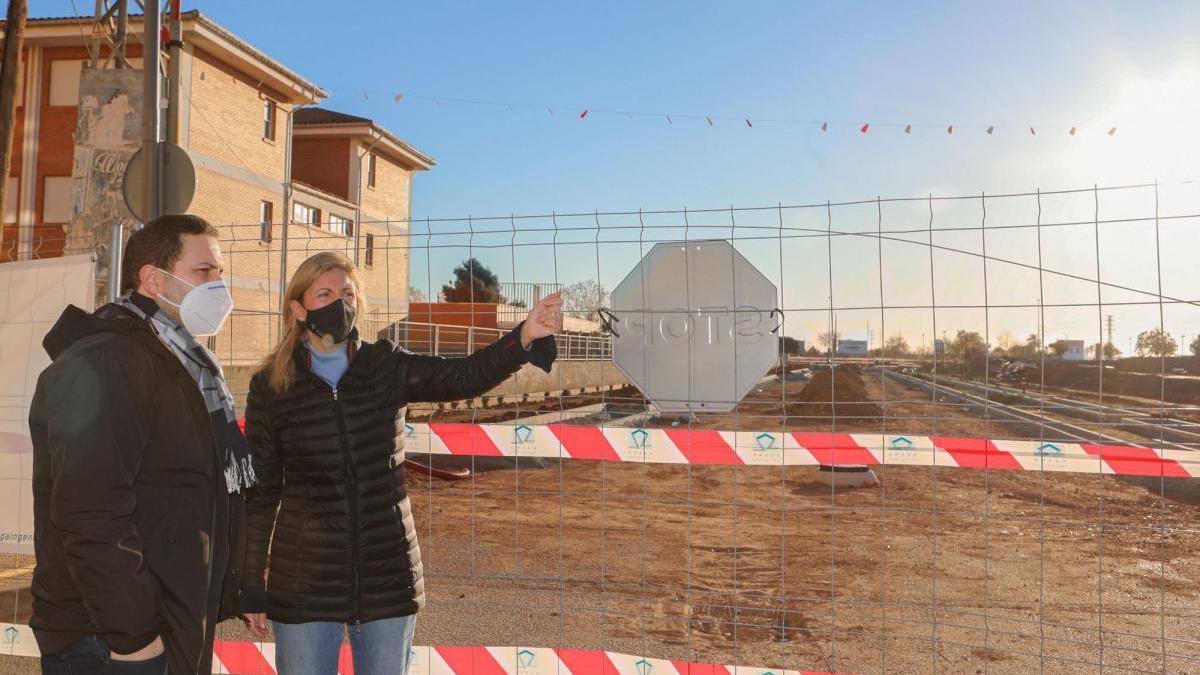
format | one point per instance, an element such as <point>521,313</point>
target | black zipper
<point>354,533</point>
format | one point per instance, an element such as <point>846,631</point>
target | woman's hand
<point>544,320</point>
<point>258,625</point>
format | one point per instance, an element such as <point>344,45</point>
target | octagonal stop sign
<point>693,327</point>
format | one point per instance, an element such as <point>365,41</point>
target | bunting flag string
<point>750,121</point>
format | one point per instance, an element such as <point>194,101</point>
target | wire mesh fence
<point>1004,362</point>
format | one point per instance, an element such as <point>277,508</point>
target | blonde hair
<point>279,366</point>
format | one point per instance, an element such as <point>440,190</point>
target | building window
<point>11,190</point>
<point>64,81</point>
<point>339,225</point>
<point>269,120</point>
<point>371,170</point>
<point>266,215</point>
<point>56,199</point>
<point>369,251</point>
<point>303,213</point>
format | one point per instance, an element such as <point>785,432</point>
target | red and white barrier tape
<point>258,658</point>
<point>684,446</point>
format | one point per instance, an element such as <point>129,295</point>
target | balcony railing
<point>445,340</point>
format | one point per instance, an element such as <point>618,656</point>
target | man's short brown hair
<point>159,243</point>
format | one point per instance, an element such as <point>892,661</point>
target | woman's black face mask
<point>332,323</point>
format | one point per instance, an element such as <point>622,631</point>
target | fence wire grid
<point>1058,317</point>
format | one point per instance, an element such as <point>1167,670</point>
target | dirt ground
<point>947,570</point>
<point>933,570</point>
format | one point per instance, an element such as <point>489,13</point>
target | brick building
<point>271,169</point>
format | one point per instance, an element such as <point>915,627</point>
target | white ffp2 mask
<point>204,309</point>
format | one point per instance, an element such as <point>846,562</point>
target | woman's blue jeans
<point>379,647</point>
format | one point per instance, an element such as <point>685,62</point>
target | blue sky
<point>1012,65</point>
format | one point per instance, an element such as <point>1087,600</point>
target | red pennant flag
<point>748,122</point>
<point>397,97</point>
<point>908,128</point>
<point>950,129</point>
<point>990,130</point>
<point>583,115</point>
<point>865,127</point>
<point>824,126</point>
<point>166,35</point>
<point>1112,131</point>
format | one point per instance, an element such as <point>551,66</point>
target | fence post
<point>437,339</point>
<point>470,340</point>
<point>114,262</point>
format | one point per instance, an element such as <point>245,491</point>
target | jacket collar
<point>303,359</point>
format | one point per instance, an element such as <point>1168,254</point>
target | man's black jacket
<point>134,529</point>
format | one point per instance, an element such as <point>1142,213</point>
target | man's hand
<point>544,320</point>
<point>258,625</point>
<point>144,654</point>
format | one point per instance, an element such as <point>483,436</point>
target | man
<point>139,468</point>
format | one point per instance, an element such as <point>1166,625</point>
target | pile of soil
<point>839,392</point>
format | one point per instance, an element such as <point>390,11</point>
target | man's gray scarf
<point>202,365</point>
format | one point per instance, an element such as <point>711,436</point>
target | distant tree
<point>472,282</point>
<point>416,295</point>
<point>1195,346</point>
<point>1004,342</point>
<point>1059,347</point>
<point>1155,342</point>
<point>828,341</point>
<point>789,346</point>
<point>1109,350</point>
<point>583,299</point>
<point>812,351</point>
<point>896,346</point>
<point>969,347</point>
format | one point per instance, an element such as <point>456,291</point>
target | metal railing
<point>448,340</point>
<point>519,297</point>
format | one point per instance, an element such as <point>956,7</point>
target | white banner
<point>33,293</point>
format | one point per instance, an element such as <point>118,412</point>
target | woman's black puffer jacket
<point>343,546</point>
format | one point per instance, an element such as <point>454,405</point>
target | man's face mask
<point>205,307</point>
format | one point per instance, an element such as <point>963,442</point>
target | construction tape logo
<point>1049,450</point>
<point>522,435</point>
<point>902,447</point>
<point>10,635</point>
<point>525,659</point>
<point>643,667</point>
<point>765,441</point>
<point>409,430</point>
<point>640,439</point>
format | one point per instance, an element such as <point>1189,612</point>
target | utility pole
<point>14,37</point>
<point>1109,321</point>
<point>152,107</point>
<point>175,74</point>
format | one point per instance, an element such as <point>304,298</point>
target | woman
<point>325,422</point>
